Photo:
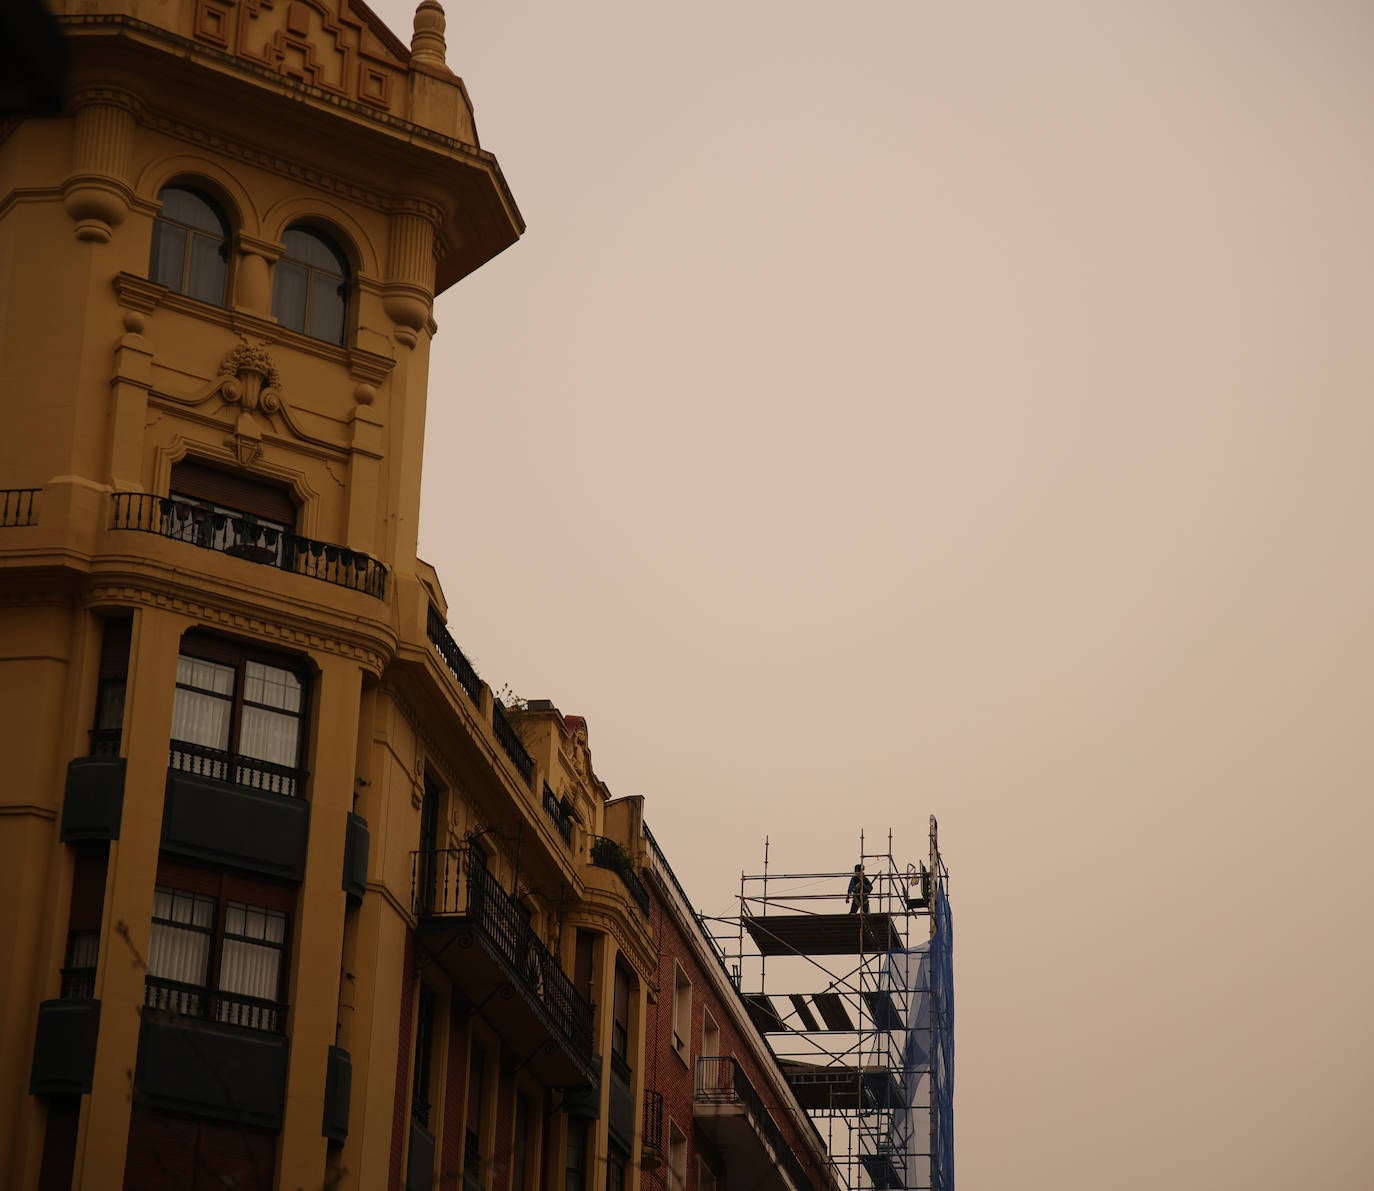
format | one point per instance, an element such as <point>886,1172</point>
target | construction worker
<point>859,889</point>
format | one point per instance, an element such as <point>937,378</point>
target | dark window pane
<point>313,249</point>
<point>169,255</point>
<point>194,210</point>
<point>207,273</point>
<point>326,308</point>
<point>290,284</point>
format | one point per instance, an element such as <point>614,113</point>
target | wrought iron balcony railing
<point>557,815</point>
<point>105,742</point>
<point>208,1004</point>
<point>223,766</point>
<point>608,854</point>
<point>653,1125</point>
<point>453,657</point>
<point>511,743</point>
<point>18,506</point>
<point>78,984</point>
<point>244,536</point>
<point>447,882</point>
<point>721,1080</point>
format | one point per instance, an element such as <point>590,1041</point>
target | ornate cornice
<point>404,130</point>
<point>609,918</point>
<point>236,619</point>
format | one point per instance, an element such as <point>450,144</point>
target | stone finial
<point>427,45</point>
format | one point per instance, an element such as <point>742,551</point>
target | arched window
<point>190,246</point>
<point>310,285</point>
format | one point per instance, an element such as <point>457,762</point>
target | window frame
<point>677,1157</point>
<point>300,318</point>
<point>193,236</point>
<point>622,980</point>
<point>710,1034</point>
<point>209,1000</point>
<point>230,763</point>
<point>422,1069</point>
<point>682,1013</point>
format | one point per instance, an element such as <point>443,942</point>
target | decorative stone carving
<point>427,45</point>
<point>248,378</point>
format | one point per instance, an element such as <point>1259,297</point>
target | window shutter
<point>247,494</point>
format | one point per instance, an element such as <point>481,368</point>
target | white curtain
<point>177,950</point>
<point>201,716</point>
<point>250,963</point>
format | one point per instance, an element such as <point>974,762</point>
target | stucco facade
<point>297,903</point>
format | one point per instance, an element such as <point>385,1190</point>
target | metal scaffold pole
<point>860,1015</point>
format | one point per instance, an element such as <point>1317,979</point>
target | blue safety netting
<point>942,1057</point>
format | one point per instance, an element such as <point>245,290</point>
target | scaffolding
<point>860,1012</point>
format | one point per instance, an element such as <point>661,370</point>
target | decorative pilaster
<point>408,295</point>
<point>97,193</point>
<point>252,279</point>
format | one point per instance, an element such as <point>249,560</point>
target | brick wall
<point>668,1074</point>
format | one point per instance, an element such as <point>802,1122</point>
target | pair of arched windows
<point>190,254</point>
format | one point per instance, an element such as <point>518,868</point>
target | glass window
<point>476,1122</point>
<point>251,943</point>
<point>575,1165</point>
<point>616,1162</point>
<point>620,1016</point>
<point>310,285</point>
<point>179,950</point>
<point>190,252</point>
<point>424,1056</point>
<point>237,719</point>
<point>521,1164</point>
<point>250,966</point>
<point>682,1010</point>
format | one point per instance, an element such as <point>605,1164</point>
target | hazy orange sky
<point>910,408</point>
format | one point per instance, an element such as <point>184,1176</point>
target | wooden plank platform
<point>808,1019</point>
<point>833,1011</point>
<point>841,1089</point>
<point>883,1011</point>
<point>823,934</point>
<point>762,1013</point>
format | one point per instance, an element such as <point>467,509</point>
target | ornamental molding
<point>366,368</point>
<point>610,919</point>
<point>433,748</point>
<point>104,594</point>
<point>247,381</point>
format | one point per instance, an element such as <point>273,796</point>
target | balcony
<point>228,809</point>
<point>64,1048</point>
<point>338,1091</point>
<point>243,536</point>
<point>454,659</point>
<point>212,1054</point>
<point>475,932</point>
<point>651,1145</point>
<point>93,799</point>
<point>357,845</point>
<point>558,815</point>
<point>608,854</point>
<point>511,743</point>
<point>731,1114</point>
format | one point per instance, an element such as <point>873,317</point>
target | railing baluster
<point>227,534</point>
<point>18,507</point>
<point>476,895</point>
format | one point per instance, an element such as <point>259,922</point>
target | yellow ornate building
<point>294,903</point>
